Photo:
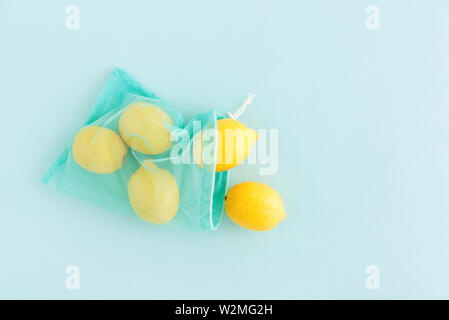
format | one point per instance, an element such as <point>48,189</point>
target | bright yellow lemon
<point>234,142</point>
<point>254,206</point>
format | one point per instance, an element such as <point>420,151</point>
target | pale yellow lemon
<point>234,142</point>
<point>153,194</point>
<point>254,206</point>
<point>99,149</point>
<point>142,127</point>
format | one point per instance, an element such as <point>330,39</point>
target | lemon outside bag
<point>201,189</point>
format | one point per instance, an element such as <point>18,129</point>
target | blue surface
<point>363,146</point>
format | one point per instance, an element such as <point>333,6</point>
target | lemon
<point>153,194</point>
<point>254,206</point>
<point>142,126</point>
<point>99,150</point>
<point>234,142</point>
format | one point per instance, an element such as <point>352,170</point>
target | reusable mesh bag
<point>197,189</point>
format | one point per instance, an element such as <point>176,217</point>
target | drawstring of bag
<point>242,107</point>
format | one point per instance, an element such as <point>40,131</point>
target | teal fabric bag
<point>201,190</point>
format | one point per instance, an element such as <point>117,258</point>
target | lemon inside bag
<point>201,189</point>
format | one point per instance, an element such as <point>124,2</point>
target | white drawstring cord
<point>242,107</point>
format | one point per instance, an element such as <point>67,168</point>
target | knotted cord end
<point>242,107</point>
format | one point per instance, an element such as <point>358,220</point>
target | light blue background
<point>363,146</point>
